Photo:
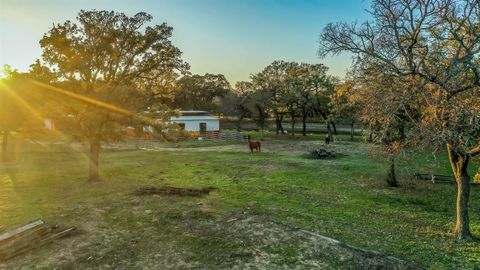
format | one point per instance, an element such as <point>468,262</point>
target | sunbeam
<point>37,115</point>
<point>83,98</point>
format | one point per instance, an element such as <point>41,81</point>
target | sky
<point>233,37</point>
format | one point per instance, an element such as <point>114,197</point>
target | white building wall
<point>194,125</point>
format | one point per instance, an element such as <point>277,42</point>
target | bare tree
<point>438,42</point>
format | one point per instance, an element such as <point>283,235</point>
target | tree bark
<point>281,124</point>
<point>334,128</point>
<point>329,130</point>
<point>293,124</point>
<point>304,123</point>
<point>352,130</point>
<point>94,157</point>
<point>391,176</point>
<point>459,163</point>
<point>278,124</point>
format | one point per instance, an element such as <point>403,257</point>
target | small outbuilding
<point>197,121</point>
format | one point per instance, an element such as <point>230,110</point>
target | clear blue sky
<point>232,37</point>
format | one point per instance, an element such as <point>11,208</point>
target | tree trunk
<point>334,128</point>
<point>304,123</point>
<point>293,124</point>
<point>239,122</point>
<point>401,130</point>
<point>5,142</point>
<point>391,177</point>
<point>352,130</point>
<point>278,124</point>
<point>94,157</point>
<point>329,130</point>
<point>459,163</point>
<point>281,125</point>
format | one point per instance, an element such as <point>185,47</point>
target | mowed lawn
<point>345,198</point>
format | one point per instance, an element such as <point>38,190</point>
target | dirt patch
<point>186,237</point>
<point>267,244</point>
<point>174,191</point>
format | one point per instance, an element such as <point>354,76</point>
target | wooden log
<point>58,235</point>
<point>24,242</point>
<point>16,232</point>
<point>29,236</point>
<point>34,240</point>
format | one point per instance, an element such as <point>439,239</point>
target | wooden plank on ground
<point>34,243</point>
<point>6,236</point>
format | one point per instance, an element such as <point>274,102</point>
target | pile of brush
<point>323,153</point>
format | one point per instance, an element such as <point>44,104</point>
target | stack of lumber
<point>21,239</point>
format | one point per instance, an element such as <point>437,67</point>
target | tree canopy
<point>107,63</point>
<point>436,44</point>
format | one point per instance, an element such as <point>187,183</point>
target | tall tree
<point>345,104</point>
<point>14,112</point>
<point>270,80</point>
<point>387,106</point>
<point>242,94</point>
<point>101,61</point>
<point>258,103</point>
<point>22,106</point>
<point>317,94</point>
<point>201,91</point>
<point>437,42</point>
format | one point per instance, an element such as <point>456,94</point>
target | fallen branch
<point>194,192</point>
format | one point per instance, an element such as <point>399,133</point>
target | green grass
<point>345,198</point>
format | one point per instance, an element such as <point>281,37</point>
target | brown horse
<point>254,145</point>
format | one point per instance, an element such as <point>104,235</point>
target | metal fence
<point>222,136</point>
<point>152,143</point>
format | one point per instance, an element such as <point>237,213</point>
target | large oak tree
<point>108,61</point>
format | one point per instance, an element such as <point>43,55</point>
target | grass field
<point>344,198</point>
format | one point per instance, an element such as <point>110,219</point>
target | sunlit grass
<point>345,198</point>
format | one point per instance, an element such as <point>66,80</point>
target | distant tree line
<point>284,90</point>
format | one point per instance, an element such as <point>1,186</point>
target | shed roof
<point>193,117</point>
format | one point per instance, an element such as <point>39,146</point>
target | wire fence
<point>19,144</point>
<point>222,136</point>
<point>193,141</point>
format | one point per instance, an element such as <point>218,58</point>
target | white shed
<point>198,121</point>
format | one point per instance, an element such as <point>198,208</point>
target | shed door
<point>203,127</point>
